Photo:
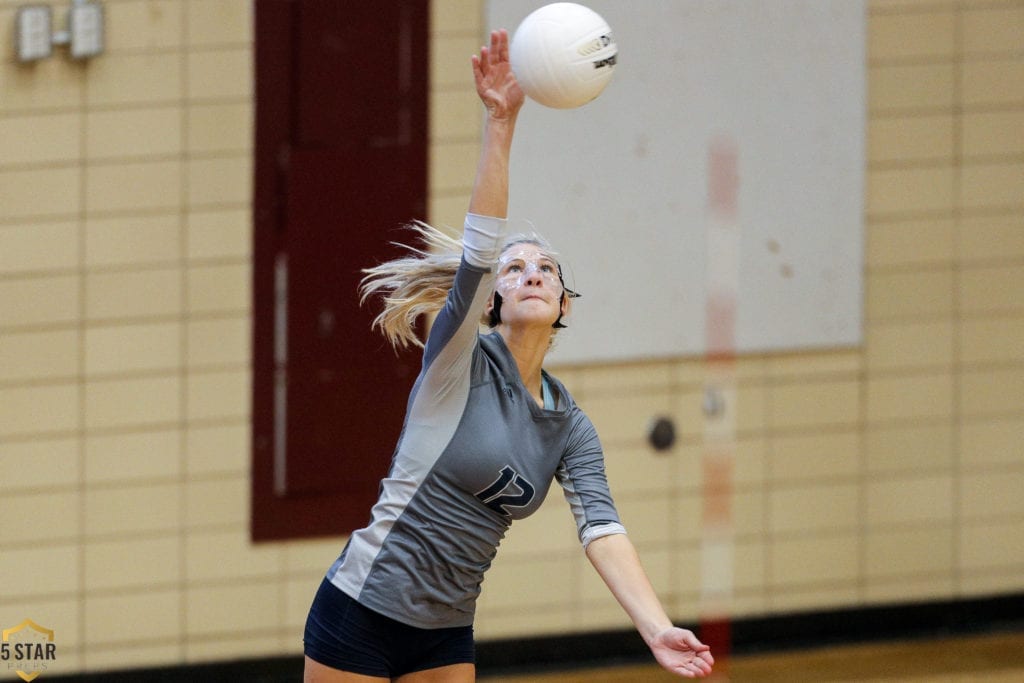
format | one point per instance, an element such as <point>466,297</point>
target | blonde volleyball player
<point>485,432</point>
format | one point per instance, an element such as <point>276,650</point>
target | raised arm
<point>500,92</point>
<point>456,325</point>
<point>676,649</point>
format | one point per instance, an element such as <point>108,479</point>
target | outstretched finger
<point>503,45</point>
<point>478,69</point>
<point>494,51</point>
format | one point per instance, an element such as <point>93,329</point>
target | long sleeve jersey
<point>475,453</point>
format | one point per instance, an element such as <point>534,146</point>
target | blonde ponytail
<point>413,285</point>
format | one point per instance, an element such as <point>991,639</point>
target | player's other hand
<point>679,651</point>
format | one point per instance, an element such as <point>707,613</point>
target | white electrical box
<point>85,24</point>
<point>33,30</point>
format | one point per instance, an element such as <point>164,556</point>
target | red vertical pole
<point>722,283</point>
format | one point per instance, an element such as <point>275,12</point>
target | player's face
<point>528,283</point>
<point>523,266</point>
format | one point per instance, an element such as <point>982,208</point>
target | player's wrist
<point>501,123</point>
<point>654,631</point>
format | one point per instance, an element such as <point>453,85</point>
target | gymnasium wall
<point>885,473</point>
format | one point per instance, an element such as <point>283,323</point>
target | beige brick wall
<point>889,472</point>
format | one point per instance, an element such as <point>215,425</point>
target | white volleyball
<point>563,55</point>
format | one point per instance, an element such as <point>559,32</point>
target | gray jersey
<point>475,453</point>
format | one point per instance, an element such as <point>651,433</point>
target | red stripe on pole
<point>723,177</point>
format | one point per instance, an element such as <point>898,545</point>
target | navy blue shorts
<point>344,635</point>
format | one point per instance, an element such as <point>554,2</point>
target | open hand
<point>679,651</point>
<point>495,83</point>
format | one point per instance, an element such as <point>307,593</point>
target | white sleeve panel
<point>482,239</point>
<point>593,533</point>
